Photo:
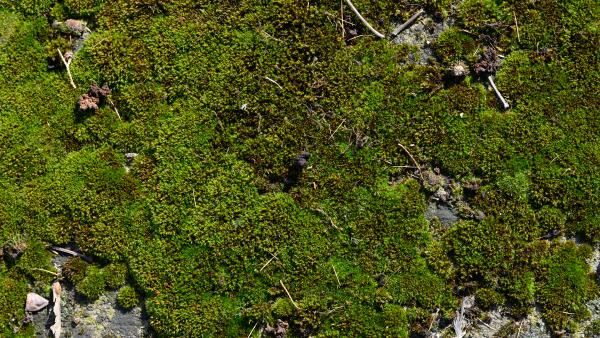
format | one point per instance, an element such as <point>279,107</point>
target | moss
<point>92,285</point>
<point>488,298</point>
<point>282,308</point>
<point>74,269</point>
<point>213,194</point>
<point>127,297</point>
<point>593,329</point>
<point>566,286</point>
<point>115,275</point>
<point>15,292</point>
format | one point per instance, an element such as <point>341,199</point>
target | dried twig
<point>336,275</point>
<point>274,256</point>
<point>413,160</point>
<point>517,26</point>
<point>459,322</point>
<point>44,270</point>
<point>342,19</point>
<point>433,318</point>
<point>364,21</point>
<point>112,104</point>
<point>505,104</point>
<point>408,22</point>
<point>322,212</point>
<point>485,324</point>
<point>288,294</point>
<point>70,252</point>
<point>273,81</point>
<point>56,328</point>
<point>67,65</point>
<point>254,327</point>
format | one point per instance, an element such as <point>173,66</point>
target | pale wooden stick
<point>70,252</point>
<point>336,275</point>
<point>112,104</point>
<point>254,327</point>
<point>364,21</point>
<point>269,261</point>
<point>273,81</point>
<point>413,159</point>
<point>505,104</point>
<point>56,328</point>
<point>67,65</point>
<point>342,19</point>
<point>517,25</point>
<point>44,270</point>
<point>407,23</point>
<point>288,294</point>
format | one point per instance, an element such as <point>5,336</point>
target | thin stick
<point>112,104</point>
<point>342,19</point>
<point>269,261</point>
<point>407,23</point>
<point>364,21</point>
<point>336,275</point>
<point>505,104</point>
<point>517,25</point>
<point>288,294</point>
<point>67,65</point>
<point>433,318</point>
<point>322,212</point>
<point>56,327</point>
<point>484,323</point>
<point>273,81</point>
<point>254,327</point>
<point>413,159</point>
<point>70,252</point>
<point>44,270</point>
<point>336,129</point>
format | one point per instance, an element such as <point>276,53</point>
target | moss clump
<point>593,329</point>
<point>75,269</point>
<point>566,285</point>
<point>93,284</point>
<point>127,297</point>
<point>115,275</point>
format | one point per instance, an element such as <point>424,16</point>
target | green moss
<point>127,298</point>
<point>15,292</point>
<point>74,269</point>
<point>566,286</point>
<point>115,275</point>
<point>593,329</point>
<point>92,285</point>
<point>219,98</point>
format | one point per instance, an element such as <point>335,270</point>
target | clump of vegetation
<point>224,101</point>
<point>127,298</point>
<point>93,284</point>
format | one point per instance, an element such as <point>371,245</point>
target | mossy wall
<point>219,98</point>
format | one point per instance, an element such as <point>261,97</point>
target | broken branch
<point>408,22</point>
<point>505,104</point>
<point>56,328</point>
<point>269,261</point>
<point>67,65</point>
<point>70,252</point>
<point>112,104</point>
<point>413,160</point>
<point>336,275</point>
<point>364,21</point>
<point>273,81</point>
<point>288,294</point>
